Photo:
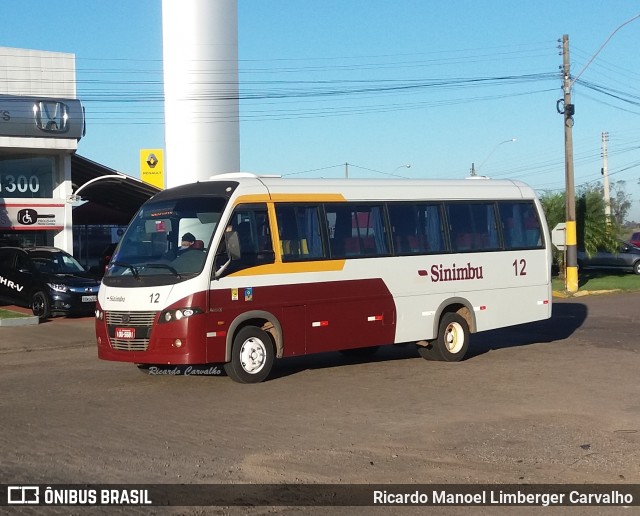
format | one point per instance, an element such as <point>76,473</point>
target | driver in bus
<point>187,241</point>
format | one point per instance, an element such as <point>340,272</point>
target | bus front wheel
<point>252,356</point>
<point>452,342</point>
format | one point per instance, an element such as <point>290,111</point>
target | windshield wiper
<point>162,266</point>
<point>134,270</point>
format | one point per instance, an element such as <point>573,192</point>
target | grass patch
<point>590,280</point>
<point>10,314</point>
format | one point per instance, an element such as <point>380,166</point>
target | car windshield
<point>168,239</point>
<point>55,262</point>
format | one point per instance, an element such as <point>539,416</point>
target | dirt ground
<point>550,402</point>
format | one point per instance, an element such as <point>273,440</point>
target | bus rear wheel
<point>252,356</point>
<point>452,342</point>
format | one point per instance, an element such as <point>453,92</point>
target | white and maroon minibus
<point>285,267</point>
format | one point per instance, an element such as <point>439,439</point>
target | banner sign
<point>336,495</point>
<point>152,167</point>
<point>41,117</point>
<point>32,216</point>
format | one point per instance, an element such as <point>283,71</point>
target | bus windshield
<point>167,241</point>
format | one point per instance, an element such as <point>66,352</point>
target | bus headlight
<point>179,313</point>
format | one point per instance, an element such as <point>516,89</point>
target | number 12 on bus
<point>241,270</point>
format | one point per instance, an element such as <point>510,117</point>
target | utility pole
<point>346,170</point>
<point>571,248</point>
<point>568,110</point>
<point>605,174</point>
<point>472,172</point>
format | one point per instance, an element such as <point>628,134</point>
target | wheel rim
<point>454,337</point>
<point>253,355</point>
<point>37,306</point>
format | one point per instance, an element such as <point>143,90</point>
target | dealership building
<point>41,124</point>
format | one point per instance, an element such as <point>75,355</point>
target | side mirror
<point>233,245</point>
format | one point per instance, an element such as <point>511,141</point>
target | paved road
<point>550,402</point>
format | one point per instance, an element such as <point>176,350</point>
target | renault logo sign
<point>152,167</point>
<point>152,161</point>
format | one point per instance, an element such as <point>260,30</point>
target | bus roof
<point>280,188</point>
<point>378,189</point>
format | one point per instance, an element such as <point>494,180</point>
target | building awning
<point>122,193</point>
<point>94,214</point>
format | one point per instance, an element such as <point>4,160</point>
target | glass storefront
<point>26,176</point>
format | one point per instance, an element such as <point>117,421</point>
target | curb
<point>581,293</point>
<point>20,321</point>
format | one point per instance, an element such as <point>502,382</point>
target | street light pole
<point>474,171</point>
<point>408,165</point>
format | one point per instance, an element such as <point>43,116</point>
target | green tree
<point>594,229</point>
<point>553,205</point>
<point>620,202</point>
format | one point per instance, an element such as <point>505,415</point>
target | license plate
<point>89,299</point>
<point>125,333</point>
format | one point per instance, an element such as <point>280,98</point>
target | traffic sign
<point>558,236</point>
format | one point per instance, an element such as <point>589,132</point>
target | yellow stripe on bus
<point>310,197</point>
<point>292,268</point>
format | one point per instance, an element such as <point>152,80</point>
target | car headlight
<point>178,314</point>
<point>58,287</point>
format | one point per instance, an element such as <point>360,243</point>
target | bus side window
<point>417,228</point>
<point>402,217</point>
<point>356,230</point>
<point>251,222</point>
<point>520,225</point>
<point>473,226</point>
<point>299,232</point>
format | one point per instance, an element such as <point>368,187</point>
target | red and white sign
<point>125,333</point>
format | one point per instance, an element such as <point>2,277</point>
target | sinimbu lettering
<point>467,272</point>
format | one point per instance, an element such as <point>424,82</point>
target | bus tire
<point>143,368</point>
<point>452,342</point>
<point>252,356</point>
<point>40,305</point>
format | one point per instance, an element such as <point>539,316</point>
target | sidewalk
<point>59,332</point>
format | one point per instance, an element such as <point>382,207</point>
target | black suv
<point>48,280</point>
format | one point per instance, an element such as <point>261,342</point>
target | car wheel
<point>40,305</point>
<point>636,267</point>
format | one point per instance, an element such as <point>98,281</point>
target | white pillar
<point>63,239</point>
<point>200,50</point>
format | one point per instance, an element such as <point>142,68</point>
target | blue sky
<point>378,84</point>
